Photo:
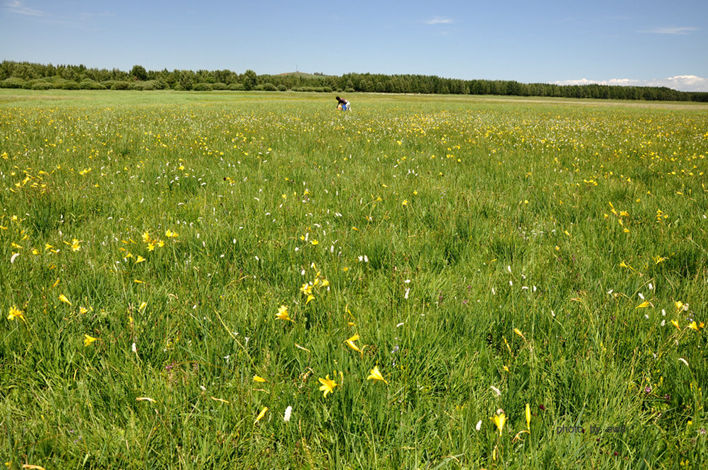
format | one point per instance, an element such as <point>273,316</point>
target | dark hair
<point>336,97</point>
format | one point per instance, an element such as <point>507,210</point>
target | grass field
<point>425,282</point>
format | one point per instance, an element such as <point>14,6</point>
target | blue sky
<point>621,42</point>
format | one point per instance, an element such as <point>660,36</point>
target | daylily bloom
<point>88,340</point>
<point>327,385</point>
<point>261,414</point>
<point>528,417</point>
<point>257,378</point>
<point>350,343</point>
<point>63,298</point>
<point>16,313</point>
<point>283,314</point>
<point>375,374</point>
<point>644,304</point>
<point>499,420</point>
<point>306,289</point>
<point>75,244</point>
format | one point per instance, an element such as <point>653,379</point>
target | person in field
<point>343,104</point>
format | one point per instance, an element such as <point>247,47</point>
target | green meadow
<point>256,280</point>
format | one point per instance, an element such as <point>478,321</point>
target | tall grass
<point>489,254</point>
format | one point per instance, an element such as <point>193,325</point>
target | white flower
<point>495,390</point>
<point>479,425</point>
<point>288,412</point>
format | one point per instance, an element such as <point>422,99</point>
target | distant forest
<point>73,77</point>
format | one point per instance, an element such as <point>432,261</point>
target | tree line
<point>41,77</point>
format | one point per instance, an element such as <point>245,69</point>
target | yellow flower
<point>83,310</point>
<point>310,298</point>
<point>499,420</point>
<point>315,242</point>
<point>350,343</point>
<point>327,385</point>
<point>306,289</point>
<point>693,325</point>
<point>16,313</point>
<point>676,324</point>
<point>528,417</point>
<point>261,414</point>
<point>679,305</point>
<point>75,244</point>
<point>88,340</point>
<point>140,259</point>
<point>170,234</point>
<point>283,314</point>
<point>644,304</point>
<point>146,237</point>
<point>257,378</point>
<point>375,374</point>
<point>63,298</point>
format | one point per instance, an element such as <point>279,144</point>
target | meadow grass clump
<point>257,280</point>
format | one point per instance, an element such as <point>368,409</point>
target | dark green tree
<point>249,79</point>
<point>138,72</point>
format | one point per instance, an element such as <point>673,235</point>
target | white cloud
<point>687,82</point>
<point>681,30</point>
<point>18,7</point>
<point>439,20</point>
<point>677,82</point>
